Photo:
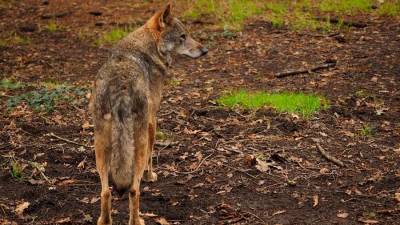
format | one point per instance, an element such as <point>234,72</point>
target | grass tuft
<point>298,103</point>
<point>52,27</point>
<point>113,35</point>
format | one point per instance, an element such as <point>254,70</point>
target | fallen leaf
<point>278,212</point>
<point>316,200</point>
<point>161,221</point>
<point>63,220</point>
<point>262,165</point>
<point>19,210</point>
<point>368,221</point>
<point>87,218</point>
<point>342,215</point>
<point>397,197</point>
<point>148,215</point>
<point>66,182</point>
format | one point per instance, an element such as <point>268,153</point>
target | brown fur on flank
<point>126,98</point>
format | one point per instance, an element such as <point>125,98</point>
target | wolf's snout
<point>204,51</point>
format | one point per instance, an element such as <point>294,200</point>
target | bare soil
<point>209,175</point>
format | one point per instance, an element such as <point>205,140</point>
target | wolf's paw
<point>138,221</point>
<point>104,221</point>
<point>149,176</point>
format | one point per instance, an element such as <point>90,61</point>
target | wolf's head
<point>172,35</point>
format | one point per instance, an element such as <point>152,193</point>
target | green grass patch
<point>298,103</point>
<point>390,8</point>
<point>298,15</point>
<point>230,14</point>
<point>113,35</point>
<point>345,6</point>
<point>202,8</point>
<point>276,12</point>
<point>8,84</point>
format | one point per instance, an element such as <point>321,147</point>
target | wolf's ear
<point>166,15</point>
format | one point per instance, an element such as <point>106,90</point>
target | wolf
<point>125,99</point>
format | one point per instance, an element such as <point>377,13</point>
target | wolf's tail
<point>123,146</point>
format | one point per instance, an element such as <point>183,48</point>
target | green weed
<point>303,104</point>
<point>366,130</point>
<point>113,36</point>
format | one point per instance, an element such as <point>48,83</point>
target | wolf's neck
<point>139,44</point>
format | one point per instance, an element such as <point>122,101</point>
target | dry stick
<point>314,69</point>
<point>198,166</point>
<point>254,215</point>
<point>68,141</point>
<point>328,156</point>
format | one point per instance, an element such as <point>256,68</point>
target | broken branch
<point>327,65</point>
<point>328,156</point>
<point>68,141</point>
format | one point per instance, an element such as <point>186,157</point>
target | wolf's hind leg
<point>141,155</point>
<point>149,174</point>
<point>103,150</point>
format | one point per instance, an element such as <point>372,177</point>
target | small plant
<point>16,170</point>
<point>366,130</point>
<point>303,104</point>
<point>46,99</point>
<point>52,27</point>
<point>174,82</point>
<point>9,84</point>
<point>113,36</point>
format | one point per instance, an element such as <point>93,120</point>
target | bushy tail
<point>123,152</point>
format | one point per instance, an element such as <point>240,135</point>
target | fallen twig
<point>68,141</point>
<point>198,166</point>
<point>257,217</point>
<point>328,156</point>
<point>328,64</point>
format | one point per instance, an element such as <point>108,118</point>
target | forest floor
<point>215,165</point>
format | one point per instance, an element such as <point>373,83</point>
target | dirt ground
<point>207,170</point>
